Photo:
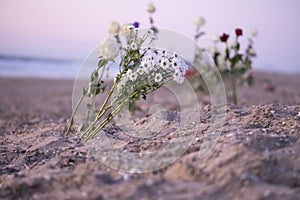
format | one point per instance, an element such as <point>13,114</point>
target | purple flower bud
<point>136,24</point>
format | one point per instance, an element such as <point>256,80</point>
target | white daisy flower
<point>146,70</point>
<point>178,77</point>
<point>127,47</point>
<point>151,57</point>
<point>133,46</point>
<point>148,63</point>
<point>140,71</point>
<point>158,78</point>
<point>157,59</point>
<point>164,63</point>
<point>133,76</point>
<point>145,65</point>
<point>183,67</point>
<point>152,65</point>
<point>160,54</point>
<point>175,63</point>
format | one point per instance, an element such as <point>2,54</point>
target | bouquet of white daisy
<point>141,70</point>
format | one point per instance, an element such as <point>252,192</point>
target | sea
<point>50,68</point>
<point>33,67</point>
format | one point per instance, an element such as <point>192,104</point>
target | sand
<point>257,156</point>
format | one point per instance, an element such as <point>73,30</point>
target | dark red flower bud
<point>190,72</point>
<point>224,37</point>
<point>238,32</point>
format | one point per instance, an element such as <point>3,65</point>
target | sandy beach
<point>257,155</point>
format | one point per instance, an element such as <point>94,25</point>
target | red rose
<point>190,72</point>
<point>224,37</point>
<point>238,32</point>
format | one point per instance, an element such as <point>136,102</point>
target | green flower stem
<point>102,111</point>
<point>234,92</point>
<point>104,122</point>
<point>107,119</point>
<point>73,114</point>
<point>89,128</point>
<point>77,106</point>
<point>95,121</point>
<point>103,108</point>
<point>89,111</point>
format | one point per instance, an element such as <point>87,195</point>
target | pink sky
<point>72,28</point>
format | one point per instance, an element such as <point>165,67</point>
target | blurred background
<point>51,38</point>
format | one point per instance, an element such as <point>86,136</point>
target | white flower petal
<point>158,78</point>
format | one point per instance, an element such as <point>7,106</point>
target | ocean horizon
<point>38,67</point>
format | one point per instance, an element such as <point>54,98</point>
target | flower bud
<point>254,33</point>
<point>215,38</point>
<point>150,8</point>
<point>114,28</point>
<point>224,37</point>
<point>125,30</point>
<point>238,32</point>
<point>200,21</point>
<point>136,24</point>
<point>252,52</point>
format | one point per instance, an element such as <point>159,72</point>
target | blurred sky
<point>72,28</point>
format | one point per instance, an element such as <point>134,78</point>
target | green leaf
<point>236,59</point>
<point>82,127</point>
<point>155,29</point>
<point>89,106</point>
<point>227,53</point>
<point>84,92</point>
<point>237,46</point>
<point>102,62</point>
<point>199,35</point>
<point>216,55</point>
<point>94,76</point>
<point>97,89</point>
